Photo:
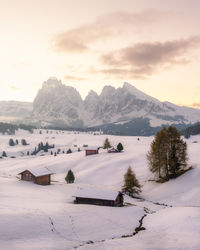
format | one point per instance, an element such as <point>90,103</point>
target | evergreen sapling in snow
<point>106,144</point>
<point>70,177</point>
<point>4,154</point>
<point>120,147</point>
<point>11,142</point>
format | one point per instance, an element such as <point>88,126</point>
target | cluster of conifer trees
<point>167,159</point>
<point>107,145</point>
<point>192,130</point>
<point>16,142</point>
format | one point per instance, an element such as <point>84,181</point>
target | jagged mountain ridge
<point>57,104</point>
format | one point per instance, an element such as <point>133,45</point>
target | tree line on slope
<point>192,130</point>
<point>107,145</point>
<point>10,129</point>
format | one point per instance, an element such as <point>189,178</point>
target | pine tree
<point>11,142</point>
<point>46,147</point>
<point>168,154</point>
<point>23,142</point>
<point>106,144</point>
<point>4,154</point>
<point>131,184</point>
<point>120,147</point>
<point>70,177</point>
<point>69,151</point>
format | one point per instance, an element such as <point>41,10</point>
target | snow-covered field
<point>44,217</point>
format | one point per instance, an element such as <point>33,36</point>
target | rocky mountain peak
<point>91,95</point>
<point>107,91</point>
<point>52,82</point>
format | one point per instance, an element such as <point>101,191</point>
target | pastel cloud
<point>145,58</point>
<point>73,78</point>
<point>196,105</point>
<point>80,39</point>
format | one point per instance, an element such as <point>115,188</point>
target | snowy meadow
<point>45,217</point>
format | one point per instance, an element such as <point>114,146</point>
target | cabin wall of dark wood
<point>27,176</point>
<point>100,202</point>
<point>43,180</point>
<point>119,200</point>
<point>91,152</point>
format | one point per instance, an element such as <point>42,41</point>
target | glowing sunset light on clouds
<point>152,44</point>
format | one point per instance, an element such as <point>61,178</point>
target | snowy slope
<point>44,217</point>
<point>173,228</point>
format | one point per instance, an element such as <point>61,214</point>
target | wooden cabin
<point>91,151</point>
<point>99,197</point>
<point>41,176</point>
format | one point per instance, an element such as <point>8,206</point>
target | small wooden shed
<point>91,151</point>
<point>98,197</point>
<point>41,176</point>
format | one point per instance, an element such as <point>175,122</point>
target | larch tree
<point>168,154</point>
<point>131,184</point>
<point>106,144</point>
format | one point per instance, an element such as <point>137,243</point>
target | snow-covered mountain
<point>124,111</point>
<point>57,104</point>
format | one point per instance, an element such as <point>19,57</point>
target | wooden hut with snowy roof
<point>98,197</point>
<point>91,151</point>
<point>41,176</point>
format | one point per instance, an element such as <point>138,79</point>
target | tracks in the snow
<point>139,228</point>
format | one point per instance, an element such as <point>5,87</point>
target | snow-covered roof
<point>39,171</point>
<point>92,148</point>
<point>113,150</point>
<point>96,193</point>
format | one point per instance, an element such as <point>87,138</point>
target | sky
<point>87,44</point>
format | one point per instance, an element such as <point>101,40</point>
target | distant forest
<point>10,129</point>
<point>192,130</point>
